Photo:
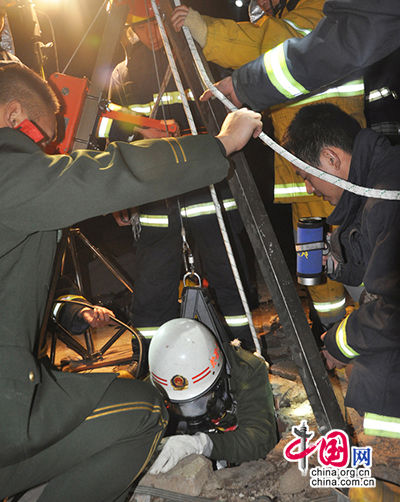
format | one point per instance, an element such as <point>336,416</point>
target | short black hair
<point>318,126</point>
<point>18,82</point>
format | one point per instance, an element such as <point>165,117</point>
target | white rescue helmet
<point>185,360</point>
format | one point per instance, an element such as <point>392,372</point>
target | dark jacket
<point>369,238</point>
<point>353,35</point>
<point>256,433</point>
<point>38,195</point>
<point>136,81</point>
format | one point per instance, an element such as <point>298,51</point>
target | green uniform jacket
<point>38,195</point>
<point>256,433</point>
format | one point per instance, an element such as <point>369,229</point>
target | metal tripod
<point>90,357</point>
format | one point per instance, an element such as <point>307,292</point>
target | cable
<point>85,35</point>
<point>334,180</point>
<point>214,196</point>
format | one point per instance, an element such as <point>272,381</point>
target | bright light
<point>239,3</point>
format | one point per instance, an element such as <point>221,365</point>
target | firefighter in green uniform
<point>87,436</point>
<point>219,396</point>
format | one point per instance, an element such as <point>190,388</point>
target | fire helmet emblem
<point>179,382</point>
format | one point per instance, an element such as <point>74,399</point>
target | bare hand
<point>331,362</point>
<point>96,317</point>
<point>179,16</point>
<point>238,128</point>
<point>122,218</point>
<point>226,87</point>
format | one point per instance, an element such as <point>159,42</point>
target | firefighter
<point>364,248</point>
<point>136,83</point>
<point>231,45</point>
<point>220,397</point>
<point>351,36</point>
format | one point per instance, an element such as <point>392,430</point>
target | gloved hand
<point>186,16</point>
<point>178,447</point>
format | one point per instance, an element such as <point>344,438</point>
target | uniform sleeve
<point>39,192</point>
<point>67,314</point>
<point>255,435</point>
<point>374,326</point>
<point>231,44</point>
<point>353,35</point>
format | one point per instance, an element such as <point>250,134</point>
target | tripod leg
<point>79,283</point>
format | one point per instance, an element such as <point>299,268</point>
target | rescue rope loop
<point>330,178</point>
<point>214,196</point>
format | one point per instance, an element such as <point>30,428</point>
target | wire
<point>85,35</point>
<point>214,196</point>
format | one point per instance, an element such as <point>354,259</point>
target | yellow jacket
<point>232,45</point>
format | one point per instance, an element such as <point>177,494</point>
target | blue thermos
<point>309,247</point>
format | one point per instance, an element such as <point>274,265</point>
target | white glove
<point>178,447</point>
<point>186,16</point>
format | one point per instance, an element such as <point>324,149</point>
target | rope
<point>330,178</point>
<point>214,196</point>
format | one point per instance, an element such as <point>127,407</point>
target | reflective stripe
<point>143,109</point>
<point>236,320</point>
<point>104,127</point>
<point>380,425</point>
<point>206,208</point>
<point>153,220</point>
<point>229,204</point>
<point>173,97</point>
<point>352,88</point>
<point>341,340</point>
<point>381,93</point>
<point>301,31</point>
<point>168,98</point>
<point>278,73</point>
<point>290,190</point>
<point>329,306</point>
<point>57,306</point>
<point>148,332</point>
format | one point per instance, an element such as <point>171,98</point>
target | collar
<point>367,148</point>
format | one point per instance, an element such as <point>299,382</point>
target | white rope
<point>334,180</point>
<point>214,196</point>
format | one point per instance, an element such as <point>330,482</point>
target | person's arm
<point>231,44</point>
<point>73,316</point>
<point>255,435</point>
<point>374,326</point>
<point>43,192</point>
<point>353,35</point>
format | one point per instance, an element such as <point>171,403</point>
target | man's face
<point>268,6</point>
<point>149,34</point>
<point>333,161</point>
